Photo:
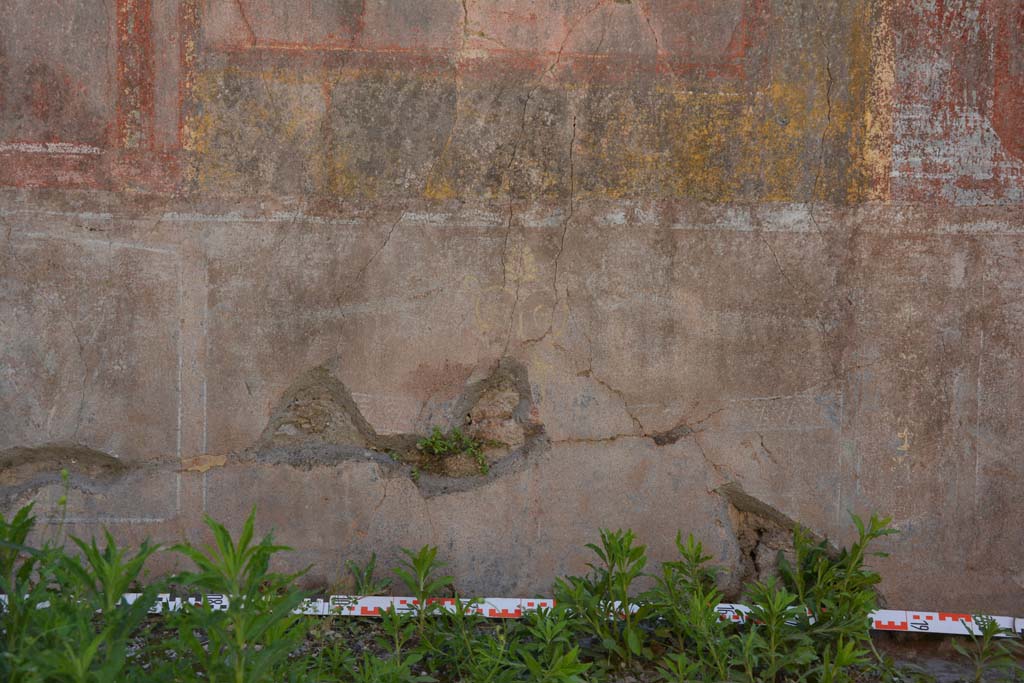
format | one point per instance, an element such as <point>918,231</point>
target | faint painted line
<point>108,520</point>
<point>977,412</point>
<point>802,429</point>
<point>90,242</point>
<point>180,344</point>
<point>278,217</point>
<point>49,148</point>
<point>82,215</point>
<point>839,458</point>
<point>205,420</point>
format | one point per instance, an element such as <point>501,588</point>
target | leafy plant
<point>419,573</point>
<point>450,638</point>
<point>603,598</point>
<point>775,642</point>
<point>684,600</point>
<point>677,667</point>
<point>365,582</point>
<point>454,443</point>
<point>107,575</point>
<point>398,630</point>
<point>548,652</point>
<point>837,591</point>
<point>374,669</point>
<point>809,625</point>
<point>991,649</point>
<point>64,617</point>
<point>252,638</point>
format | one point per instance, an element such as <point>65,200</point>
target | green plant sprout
<point>454,443</point>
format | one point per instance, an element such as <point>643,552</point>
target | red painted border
<point>131,159</point>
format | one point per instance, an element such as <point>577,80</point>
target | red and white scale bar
<point>910,621</point>
<point>953,623</point>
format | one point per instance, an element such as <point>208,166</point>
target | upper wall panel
<point>842,101</point>
<point>55,85</point>
<point>958,101</point>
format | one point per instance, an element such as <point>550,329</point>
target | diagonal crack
<point>561,241</point>
<point>778,264</point>
<point>764,447</point>
<point>508,189</point>
<point>387,239</point>
<point>684,428</point>
<point>518,142</point>
<point>458,98</point>
<point>565,223</point>
<point>625,403</point>
<point>820,324</point>
<point>384,497</point>
<point>821,144</point>
<point>646,11</point>
<point>719,469</point>
<point>515,304</point>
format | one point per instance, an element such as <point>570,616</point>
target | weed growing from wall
<point>442,445</point>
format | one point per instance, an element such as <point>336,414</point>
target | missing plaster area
<point>499,408</point>
<point>27,468</point>
<point>763,534</point>
<point>316,423</point>
<point>317,408</point>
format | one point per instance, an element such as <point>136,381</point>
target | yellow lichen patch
<point>338,176</point>
<point>789,129</point>
<point>702,132</point>
<point>256,131</point>
<point>439,187</point>
<point>806,119</point>
<point>616,142</point>
<point>800,134</point>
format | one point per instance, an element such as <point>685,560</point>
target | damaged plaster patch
<point>763,534</point>
<point>20,463</point>
<point>24,468</point>
<point>500,406</point>
<point>203,463</point>
<point>317,423</point>
<point>496,412</point>
<point>680,431</point>
<point>317,407</point>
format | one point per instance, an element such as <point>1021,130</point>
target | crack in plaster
<point>565,224</point>
<point>387,239</point>
<point>432,174</point>
<point>821,144</point>
<point>508,180</point>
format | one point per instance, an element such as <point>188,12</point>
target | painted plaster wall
<point>761,245</point>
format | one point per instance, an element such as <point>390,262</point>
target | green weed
<point>808,624</point>
<point>419,572</point>
<point>364,581</point>
<point>991,650</point>
<point>454,443</point>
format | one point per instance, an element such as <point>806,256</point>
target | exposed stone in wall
<point>317,408</point>
<point>763,533</point>
<point>317,422</point>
